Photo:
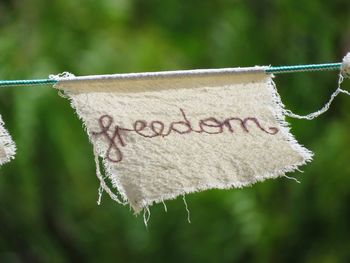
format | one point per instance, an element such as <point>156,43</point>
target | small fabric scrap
<point>166,134</point>
<point>7,146</point>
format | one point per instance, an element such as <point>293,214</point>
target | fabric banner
<point>166,134</point>
<point>7,146</point>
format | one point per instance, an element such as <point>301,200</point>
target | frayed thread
<point>188,211</point>
<point>165,208</point>
<point>146,215</point>
<point>292,178</point>
<point>63,75</point>
<point>103,185</point>
<point>344,73</point>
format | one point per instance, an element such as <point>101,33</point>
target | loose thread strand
<point>324,108</point>
<point>344,73</point>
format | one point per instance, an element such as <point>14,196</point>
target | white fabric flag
<point>166,134</point>
<point>7,146</point>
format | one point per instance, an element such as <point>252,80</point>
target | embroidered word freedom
<point>115,135</point>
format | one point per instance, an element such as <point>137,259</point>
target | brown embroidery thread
<point>157,130</point>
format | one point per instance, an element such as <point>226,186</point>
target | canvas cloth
<point>166,134</point>
<point>7,146</point>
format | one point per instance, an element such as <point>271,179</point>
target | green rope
<point>270,70</point>
<point>27,82</point>
<point>303,68</point>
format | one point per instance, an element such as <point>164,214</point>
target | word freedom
<point>157,128</point>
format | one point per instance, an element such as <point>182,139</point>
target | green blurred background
<point>48,194</point>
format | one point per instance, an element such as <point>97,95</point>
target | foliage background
<point>48,194</point>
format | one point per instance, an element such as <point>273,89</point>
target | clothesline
<point>269,70</point>
<point>145,125</point>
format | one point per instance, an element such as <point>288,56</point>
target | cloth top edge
<point>166,74</point>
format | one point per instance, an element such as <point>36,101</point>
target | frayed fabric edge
<point>8,144</point>
<point>122,198</point>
